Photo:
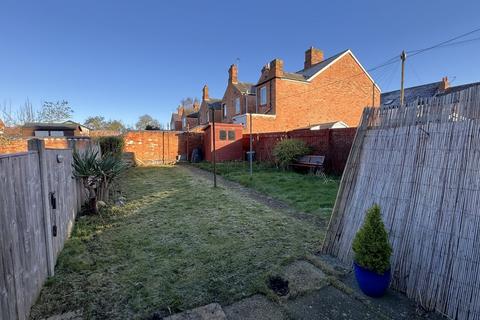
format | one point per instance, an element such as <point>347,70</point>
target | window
<point>223,135</point>
<point>208,115</point>
<point>224,110</point>
<point>184,122</point>
<point>237,105</point>
<point>41,133</point>
<point>231,135</point>
<point>263,95</point>
<point>57,133</point>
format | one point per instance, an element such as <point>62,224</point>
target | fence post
<point>39,146</point>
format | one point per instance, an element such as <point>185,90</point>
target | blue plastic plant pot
<point>371,283</point>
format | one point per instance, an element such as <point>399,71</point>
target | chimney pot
<point>444,84</point>
<point>312,57</point>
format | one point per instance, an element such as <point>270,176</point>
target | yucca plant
<point>97,174</point>
<point>109,168</point>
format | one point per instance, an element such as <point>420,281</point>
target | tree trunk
<point>92,200</point>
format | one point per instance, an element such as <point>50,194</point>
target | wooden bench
<point>314,164</point>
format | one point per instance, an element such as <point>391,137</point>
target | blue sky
<point>122,59</point>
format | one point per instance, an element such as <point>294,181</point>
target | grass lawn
<point>307,193</point>
<point>177,244</point>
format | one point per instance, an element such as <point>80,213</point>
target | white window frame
<point>263,95</point>
<point>237,105</point>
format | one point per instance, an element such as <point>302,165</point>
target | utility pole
<point>403,56</point>
<point>214,136</point>
<point>188,134</point>
<point>250,154</point>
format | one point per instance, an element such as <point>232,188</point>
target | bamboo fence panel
<point>421,164</point>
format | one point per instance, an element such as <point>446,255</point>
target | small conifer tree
<point>371,247</point>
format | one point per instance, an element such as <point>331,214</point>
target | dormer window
<point>263,95</point>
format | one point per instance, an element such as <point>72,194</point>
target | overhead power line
<point>416,52</point>
<point>393,60</point>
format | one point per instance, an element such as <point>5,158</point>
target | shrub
<point>111,145</point>
<point>371,247</point>
<point>289,150</point>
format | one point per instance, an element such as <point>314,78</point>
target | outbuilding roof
<point>424,91</point>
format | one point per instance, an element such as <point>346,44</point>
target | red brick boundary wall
<point>335,144</point>
<point>17,145</point>
<point>151,147</point>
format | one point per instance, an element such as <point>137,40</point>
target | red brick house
<point>205,114</point>
<point>325,90</point>
<point>239,97</point>
<point>189,118</point>
<point>176,122</point>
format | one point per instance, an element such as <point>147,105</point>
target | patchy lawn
<point>304,192</point>
<point>177,244</point>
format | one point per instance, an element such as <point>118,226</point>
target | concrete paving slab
<point>328,303</point>
<point>72,315</point>
<point>212,311</point>
<point>304,277</point>
<point>393,304</point>
<point>254,308</point>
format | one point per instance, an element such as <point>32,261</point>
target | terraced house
<point>324,91</point>
<point>204,113</point>
<point>239,97</point>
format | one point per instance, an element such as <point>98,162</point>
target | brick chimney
<point>444,84</point>
<point>205,93</point>
<point>196,106</point>
<point>265,72</point>
<point>233,74</point>
<point>181,110</point>
<point>276,68</point>
<point>312,57</point>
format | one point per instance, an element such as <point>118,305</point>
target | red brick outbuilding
<point>228,142</point>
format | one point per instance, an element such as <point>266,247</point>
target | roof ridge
<point>414,87</point>
<point>316,64</point>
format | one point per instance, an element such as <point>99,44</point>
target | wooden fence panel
<point>27,217</point>
<point>23,253</point>
<point>63,186</point>
<point>421,164</point>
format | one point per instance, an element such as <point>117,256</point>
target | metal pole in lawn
<point>250,155</point>
<point>213,136</point>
